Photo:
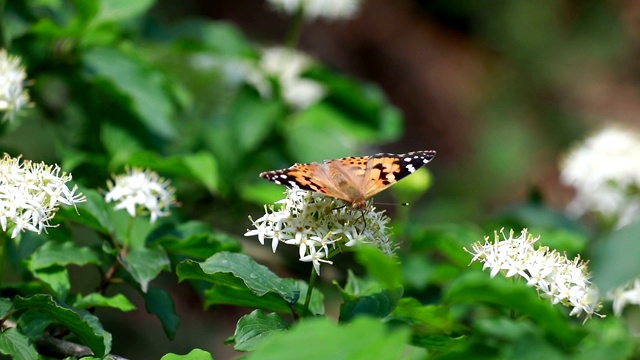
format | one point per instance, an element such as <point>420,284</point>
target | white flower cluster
<point>318,224</point>
<point>605,172</point>
<point>13,96</point>
<point>627,294</point>
<point>312,9</point>
<point>285,66</point>
<point>30,194</point>
<point>557,278</point>
<point>141,191</point>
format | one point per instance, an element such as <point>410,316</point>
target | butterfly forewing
<point>384,170</point>
<point>300,176</point>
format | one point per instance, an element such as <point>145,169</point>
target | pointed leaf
<point>255,327</point>
<point>117,301</point>
<point>239,271</point>
<point>145,265</point>
<point>159,303</point>
<point>84,325</point>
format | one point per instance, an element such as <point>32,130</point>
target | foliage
<point>112,89</point>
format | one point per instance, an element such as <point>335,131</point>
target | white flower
<point>605,172</point>
<point>319,225</point>
<point>327,9</point>
<point>557,278</point>
<point>30,194</point>
<point>13,96</point>
<point>287,66</point>
<point>141,191</point>
<point>284,65</point>
<point>623,295</point>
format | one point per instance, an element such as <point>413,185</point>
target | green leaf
<point>122,10</point>
<point>204,167</point>
<point>94,212</point>
<point>613,261</point>
<point>83,324</point>
<point>118,301</point>
<point>382,267</point>
<point>332,135</point>
<point>365,105</point>
<point>607,338</point>
<point>135,81</point>
<point>253,328</point>
<point>367,297</point>
<point>145,265</point>
<point>56,278</point>
<point>448,240</point>
<point>16,345</point>
<point>477,287</point>
<point>320,339</point>
<point>159,303</point>
<point>239,271</point>
<point>193,239</point>
<point>252,119</point>
<point>431,325</point>
<point>5,306</point>
<point>33,323</point>
<point>244,297</point>
<point>195,354</point>
<point>63,254</point>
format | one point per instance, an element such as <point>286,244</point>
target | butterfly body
<point>352,179</point>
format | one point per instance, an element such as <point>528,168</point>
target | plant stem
<point>125,245</point>
<point>293,36</point>
<point>307,299</point>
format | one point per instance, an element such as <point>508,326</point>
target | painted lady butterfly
<point>352,179</point>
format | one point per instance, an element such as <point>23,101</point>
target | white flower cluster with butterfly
<point>13,95</point>
<point>320,226</point>
<point>141,192</point>
<point>312,9</point>
<point>555,277</point>
<point>605,172</point>
<point>31,194</point>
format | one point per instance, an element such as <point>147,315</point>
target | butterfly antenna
<point>390,204</point>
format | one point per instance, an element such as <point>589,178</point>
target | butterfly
<point>352,179</point>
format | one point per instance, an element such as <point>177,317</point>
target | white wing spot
<point>277,182</point>
<point>411,168</point>
<point>283,176</point>
<point>407,159</point>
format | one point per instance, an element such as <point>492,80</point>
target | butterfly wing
<point>312,177</point>
<point>384,170</point>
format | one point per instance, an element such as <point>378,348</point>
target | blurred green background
<point>499,89</point>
